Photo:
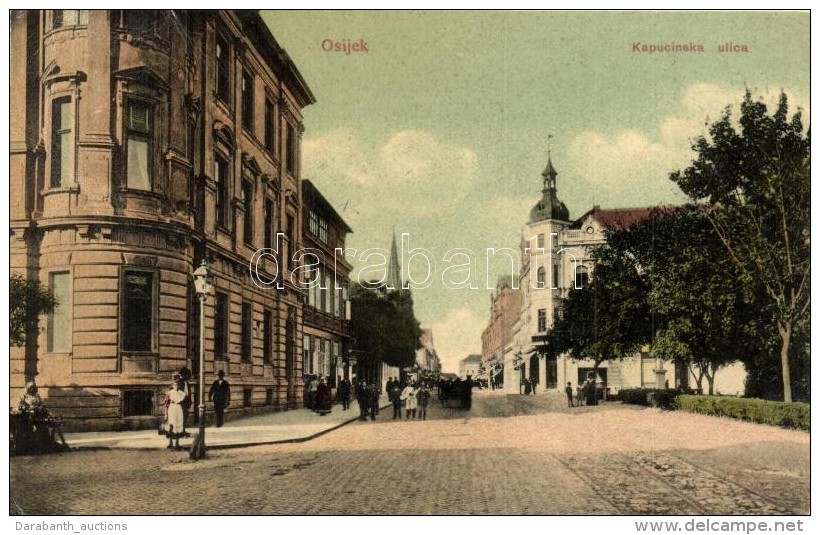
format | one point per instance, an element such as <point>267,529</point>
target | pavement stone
<point>509,455</point>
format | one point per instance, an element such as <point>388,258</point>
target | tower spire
<point>393,268</point>
<point>549,173</point>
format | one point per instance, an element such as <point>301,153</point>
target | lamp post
<point>203,284</point>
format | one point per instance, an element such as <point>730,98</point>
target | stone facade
<point>141,143</point>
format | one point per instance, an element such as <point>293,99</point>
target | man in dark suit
<point>220,394</point>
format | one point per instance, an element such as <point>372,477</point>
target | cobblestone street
<point>508,455</point>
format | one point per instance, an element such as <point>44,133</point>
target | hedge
<point>660,397</point>
<point>794,415</point>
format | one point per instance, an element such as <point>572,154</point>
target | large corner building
<point>143,142</point>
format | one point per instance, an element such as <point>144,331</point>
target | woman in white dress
<point>174,399</point>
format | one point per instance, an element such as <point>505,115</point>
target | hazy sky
<point>440,128</point>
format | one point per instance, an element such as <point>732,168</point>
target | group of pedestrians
<point>414,398</point>
<point>367,395</point>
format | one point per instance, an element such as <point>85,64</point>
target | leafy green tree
<point>701,313</point>
<point>756,174</point>
<point>28,299</point>
<point>609,318</point>
<point>384,326</point>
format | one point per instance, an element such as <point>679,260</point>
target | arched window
<point>542,277</point>
<point>581,277</point>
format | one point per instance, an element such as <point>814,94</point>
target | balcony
<point>326,322</point>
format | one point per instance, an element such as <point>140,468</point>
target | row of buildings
<point>555,253</point>
<point>142,143</point>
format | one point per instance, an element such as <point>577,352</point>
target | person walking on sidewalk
<point>174,399</point>
<point>344,393</point>
<point>362,398</point>
<point>324,400</point>
<point>568,391</point>
<point>408,395</point>
<point>394,393</point>
<point>220,394</point>
<point>373,395</point>
<point>423,397</point>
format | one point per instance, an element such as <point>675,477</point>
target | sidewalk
<point>297,425</point>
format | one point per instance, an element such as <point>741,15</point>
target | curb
<point>229,446</point>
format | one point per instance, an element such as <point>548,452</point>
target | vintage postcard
<point>417,263</point>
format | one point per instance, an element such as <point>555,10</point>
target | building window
<point>323,230</point>
<point>291,150</point>
<point>541,242</point>
<point>221,312</point>
<point>62,142</point>
<point>59,321</point>
<point>139,132</point>
<point>542,277</point>
<point>331,295</point>
<point>581,278</point>
<point>223,69</point>
<point>247,201</point>
<point>291,231</point>
<point>322,293</point>
<point>267,336</point>
<point>268,224</point>
<point>222,177</point>
<point>542,320</point>
<point>269,396</point>
<point>247,397</point>
<point>138,310</point>
<point>138,403</point>
<point>246,333</point>
<point>307,356</point>
<point>314,223</point>
<point>70,17</point>
<point>340,302</point>
<point>555,276</point>
<point>247,101</point>
<point>270,126</point>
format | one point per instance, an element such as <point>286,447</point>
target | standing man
<point>394,394</point>
<point>568,391</point>
<point>220,394</point>
<point>423,397</point>
<point>362,396</point>
<point>344,393</point>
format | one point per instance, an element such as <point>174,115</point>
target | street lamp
<point>203,284</point>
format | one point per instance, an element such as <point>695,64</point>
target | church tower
<point>394,267</point>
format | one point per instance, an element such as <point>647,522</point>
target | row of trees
<point>724,279</point>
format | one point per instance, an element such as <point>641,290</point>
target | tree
<point>28,299</point>
<point>607,319</point>
<point>757,177</point>
<point>700,312</point>
<point>384,326</point>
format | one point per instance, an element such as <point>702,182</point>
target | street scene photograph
<point>418,263</point>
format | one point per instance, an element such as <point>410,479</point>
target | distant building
<point>505,307</point>
<point>556,257</point>
<point>427,360</point>
<point>469,366</point>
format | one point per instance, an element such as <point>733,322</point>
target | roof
<point>312,195</point>
<point>471,358</point>
<point>276,56</point>
<point>626,218</point>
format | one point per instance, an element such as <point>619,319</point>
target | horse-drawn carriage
<point>455,394</point>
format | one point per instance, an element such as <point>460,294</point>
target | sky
<point>438,124</point>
